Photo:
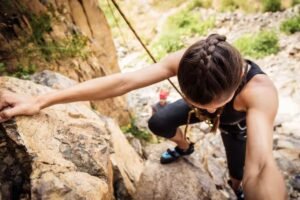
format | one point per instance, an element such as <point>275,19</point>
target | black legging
<point>165,122</point>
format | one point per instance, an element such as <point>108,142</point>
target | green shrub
<point>195,4</point>
<point>258,45</point>
<point>136,132</point>
<point>228,5</point>
<point>22,72</point>
<point>189,23</point>
<point>165,5</point>
<point>291,25</point>
<point>295,2</point>
<point>69,47</point>
<point>2,68</point>
<point>73,46</point>
<point>271,5</point>
<point>207,3</point>
<point>246,5</point>
<point>199,3</point>
<point>185,24</point>
<point>39,25</point>
<point>168,42</point>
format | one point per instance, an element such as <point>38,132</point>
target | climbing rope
<point>117,23</point>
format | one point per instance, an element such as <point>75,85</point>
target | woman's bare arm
<point>262,178</point>
<point>94,89</point>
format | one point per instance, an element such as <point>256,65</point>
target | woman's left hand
<point>12,104</point>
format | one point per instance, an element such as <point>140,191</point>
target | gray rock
<point>296,182</point>
<point>183,180</point>
<point>52,79</point>
<point>60,153</point>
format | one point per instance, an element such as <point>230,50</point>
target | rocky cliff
<point>67,151</point>
<point>71,37</point>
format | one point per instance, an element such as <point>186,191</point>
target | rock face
<point>66,151</point>
<point>61,153</point>
<point>70,37</point>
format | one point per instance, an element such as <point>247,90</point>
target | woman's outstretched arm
<point>12,104</point>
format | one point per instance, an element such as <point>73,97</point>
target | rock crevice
<point>15,164</point>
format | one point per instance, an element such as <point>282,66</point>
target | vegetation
<point>38,46</point>
<point>168,42</point>
<point>199,3</point>
<point>187,22</point>
<point>256,6</point>
<point>73,46</point>
<point>295,2</point>
<point>22,72</point>
<point>246,5</point>
<point>136,132</point>
<point>184,24</point>
<point>39,25</point>
<point>164,5</point>
<point>271,5</point>
<point>291,25</point>
<point>258,45</point>
<point>206,3</point>
<point>229,5</point>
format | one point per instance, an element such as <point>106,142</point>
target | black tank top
<point>229,115</point>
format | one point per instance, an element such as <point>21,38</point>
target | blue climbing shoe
<point>171,155</point>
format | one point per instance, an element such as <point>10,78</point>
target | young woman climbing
<point>233,93</point>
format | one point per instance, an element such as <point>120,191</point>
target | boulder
<point>185,179</point>
<point>67,151</point>
<point>60,153</point>
<point>52,79</point>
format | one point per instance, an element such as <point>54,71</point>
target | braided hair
<point>210,69</point>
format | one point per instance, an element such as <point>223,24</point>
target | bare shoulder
<point>260,93</point>
<point>160,71</point>
<point>172,60</point>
